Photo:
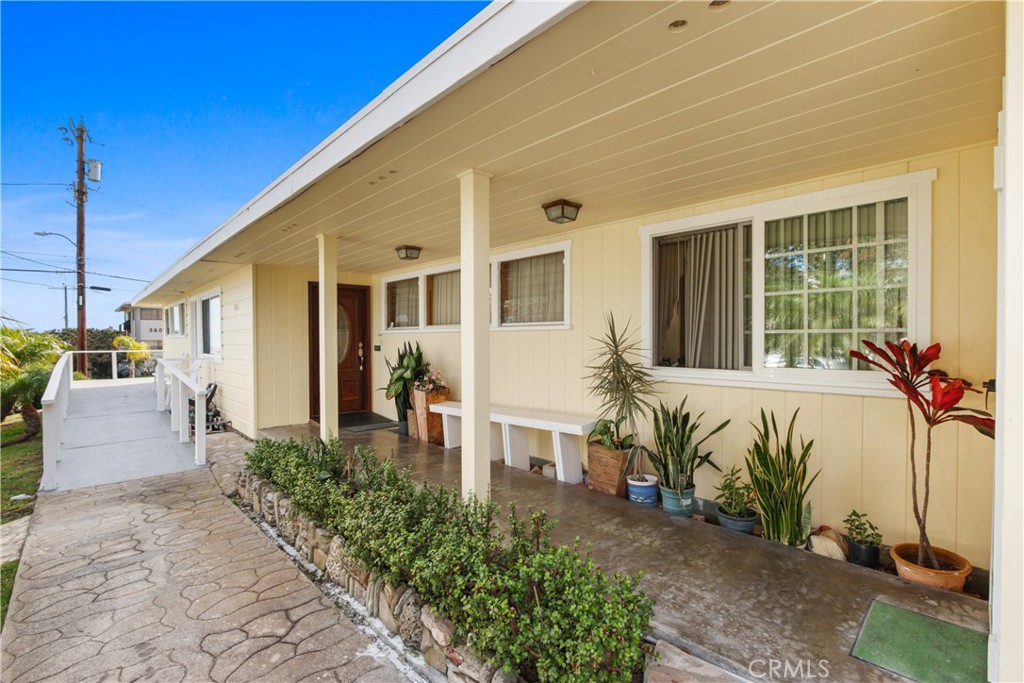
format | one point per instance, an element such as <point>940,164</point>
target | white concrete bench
<point>509,436</point>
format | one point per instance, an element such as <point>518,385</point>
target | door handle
<point>360,356</point>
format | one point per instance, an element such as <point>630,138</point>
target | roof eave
<point>498,30</point>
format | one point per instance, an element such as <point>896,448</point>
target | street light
<point>80,273</point>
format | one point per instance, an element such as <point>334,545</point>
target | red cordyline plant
<point>908,371</point>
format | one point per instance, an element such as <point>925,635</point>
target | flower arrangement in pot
<point>622,385</point>
<point>936,397</point>
<point>778,475</point>
<point>403,375</point>
<point>677,456</point>
<point>430,388</point>
<point>864,538</point>
<point>736,503</point>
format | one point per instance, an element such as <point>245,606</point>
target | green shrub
<point>531,607</point>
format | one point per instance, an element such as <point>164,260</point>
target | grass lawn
<point>7,573</point>
<point>22,467</point>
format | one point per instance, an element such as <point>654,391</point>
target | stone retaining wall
<point>399,608</point>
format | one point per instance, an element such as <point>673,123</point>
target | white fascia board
<point>498,30</point>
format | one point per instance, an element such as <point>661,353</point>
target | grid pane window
<point>403,303</point>
<point>831,279</point>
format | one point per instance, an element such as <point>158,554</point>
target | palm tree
<point>26,360</point>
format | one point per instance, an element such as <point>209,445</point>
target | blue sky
<point>193,108</point>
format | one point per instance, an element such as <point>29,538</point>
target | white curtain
<point>533,289</point>
<point>445,299</point>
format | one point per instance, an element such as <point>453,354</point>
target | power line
<point>26,258</point>
<point>37,184</point>
<point>26,282</point>
<point>141,206</point>
<point>72,272</point>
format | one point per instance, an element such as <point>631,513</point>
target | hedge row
<point>536,609</point>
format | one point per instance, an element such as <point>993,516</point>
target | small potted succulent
<point>736,503</point>
<point>865,540</point>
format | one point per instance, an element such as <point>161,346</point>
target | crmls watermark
<point>783,668</point>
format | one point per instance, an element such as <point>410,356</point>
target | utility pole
<point>79,133</point>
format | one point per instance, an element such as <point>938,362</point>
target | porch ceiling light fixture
<point>562,211</point>
<point>407,252</point>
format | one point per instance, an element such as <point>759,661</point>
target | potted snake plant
<point>778,474</point>
<point>622,385</point>
<point>677,455</point>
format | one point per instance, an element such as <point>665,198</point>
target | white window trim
<point>421,276</point>
<point>184,313</point>
<point>540,250</point>
<point>495,261</point>
<point>196,329</point>
<point>916,187</point>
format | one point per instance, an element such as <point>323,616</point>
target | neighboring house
<point>143,324</point>
<point>826,167</point>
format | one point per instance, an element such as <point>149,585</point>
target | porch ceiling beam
<point>327,302</point>
<point>475,227</point>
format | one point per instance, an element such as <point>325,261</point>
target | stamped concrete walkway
<point>164,579</point>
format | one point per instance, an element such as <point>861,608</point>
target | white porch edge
<point>327,301</point>
<point>1006,658</point>
<point>475,225</point>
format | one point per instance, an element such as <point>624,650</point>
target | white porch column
<point>475,332</point>
<point>328,307</point>
<point>1005,658</point>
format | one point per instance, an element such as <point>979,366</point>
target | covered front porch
<point>728,598</point>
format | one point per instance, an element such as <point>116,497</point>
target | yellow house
<point>832,171</point>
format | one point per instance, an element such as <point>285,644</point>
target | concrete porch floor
<point>726,597</point>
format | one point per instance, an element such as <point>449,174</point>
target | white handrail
<point>55,409</point>
<point>156,354</point>
<point>180,386</point>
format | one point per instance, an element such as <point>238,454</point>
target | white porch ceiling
<point>611,109</point>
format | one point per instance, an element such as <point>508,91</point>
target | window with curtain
<point>532,289</point>
<point>403,303</point>
<point>210,324</point>
<point>443,298</point>
<point>702,298</point>
<point>832,279</point>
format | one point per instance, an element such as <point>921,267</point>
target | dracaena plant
<point>936,396</point>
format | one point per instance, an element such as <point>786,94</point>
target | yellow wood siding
<point>860,442</point>
<point>282,342</point>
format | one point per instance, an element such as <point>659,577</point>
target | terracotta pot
<point>905,557</point>
<point>605,468</point>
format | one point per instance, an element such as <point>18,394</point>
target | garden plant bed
<point>401,541</point>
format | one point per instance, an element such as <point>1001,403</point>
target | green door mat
<point>921,648</point>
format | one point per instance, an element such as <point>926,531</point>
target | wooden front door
<point>353,349</point>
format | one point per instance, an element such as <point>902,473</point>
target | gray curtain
<point>700,299</point>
